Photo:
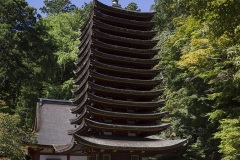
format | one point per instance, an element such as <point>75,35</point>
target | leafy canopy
<point>13,137</point>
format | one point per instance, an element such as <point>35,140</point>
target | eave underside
<point>121,144</point>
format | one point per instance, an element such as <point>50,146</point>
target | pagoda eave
<point>98,99</point>
<point>80,106</point>
<point>125,12</point>
<point>104,113</point>
<point>148,25</point>
<point>126,91</point>
<point>152,129</point>
<point>148,43</point>
<point>134,144</point>
<point>79,119</point>
<point>142,34</point>
<point>147,62</point>
<point>149,52</point>
<point>152,83</point>
<point>153,72</point>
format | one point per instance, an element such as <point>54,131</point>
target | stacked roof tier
<point>116,79</point>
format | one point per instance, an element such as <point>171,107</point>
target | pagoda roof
<point>85,39</point>
<point>81,96</point>
<point>154,104</point>
<point>125,80</point>
<point>83,77</point>
<point>139,128</point>
<point>83,67</point>
<point>83,81</point>
<point>82,57</point>
<point>150,43</point>
<point>147,34</point>
<point>135,144</point>
<point>105,113</point>
<point>125,49</point>
<point>79,119</point>
<point>82,128</point>
<point>152,72</point>
<point>126,91</point>
<point>125,59</point>
<point>86,30</point>
<point>87,21</point>
<point>87,123</point>
<point>120,11</point>
<point>122,143</point>
<point>80,106</point>
<point>128,22</point>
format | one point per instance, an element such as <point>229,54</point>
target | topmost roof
<point>124,12</point>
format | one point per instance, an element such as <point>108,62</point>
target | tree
<point>57,6</point>
<point>200,51</point>
<point>64,28</point>
<point>133,6</point>
<point>13,137</point>
<point>25,58</point>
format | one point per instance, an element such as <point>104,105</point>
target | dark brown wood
<point>115,79</point>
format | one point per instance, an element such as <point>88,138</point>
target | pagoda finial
<point>115,3</point>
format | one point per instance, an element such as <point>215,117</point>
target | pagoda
<point>117,103</point>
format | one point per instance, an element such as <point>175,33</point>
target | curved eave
<point>147,34</point>
<point>87,30</point>
<point>129,13</point>
<point>83,67</point>
<point>124,49</point>
<point>64,148</point>
<point>82,77</point>
<point>80,87</point>
<point>79,119</point>
<point>148,43</point>
<point>146,24</point>
<point>87,21</point>
<point>152,83</point>
<point>142,128</point>
<point>126,103</point>
<point>82,128</point>
<point>84,48</point>
<point>80,106</point>
<point>151,62</point>
<point>150,116</point>
<point>82,57</point>
<point>131,144</point>
<point>87,37</point>
<point>153,72</point>
<point>81,96</point>
<point>83,82</point>
<point>125,91</point>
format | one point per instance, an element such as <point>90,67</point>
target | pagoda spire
<point>115,3</point>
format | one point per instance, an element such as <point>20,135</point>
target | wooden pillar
<point>68,157</point>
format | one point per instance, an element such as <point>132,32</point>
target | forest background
<point>200,52</point>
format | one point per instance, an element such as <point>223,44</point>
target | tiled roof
<point>52,122</point>
<point>131,143</point>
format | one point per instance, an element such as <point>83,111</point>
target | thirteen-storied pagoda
<point>116,100</point>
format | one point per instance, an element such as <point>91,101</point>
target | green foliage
<point>201,57</point>
<point>64,28</point>
<point>230,138</point>
<point>13,137</point>
<point>133,6</point>
<point>24,57</point>
<point>36,56</point>
<point>55,7</point>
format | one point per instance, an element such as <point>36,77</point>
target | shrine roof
<point>52,121</point>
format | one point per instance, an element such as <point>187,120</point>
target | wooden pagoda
<point>116,98</point>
